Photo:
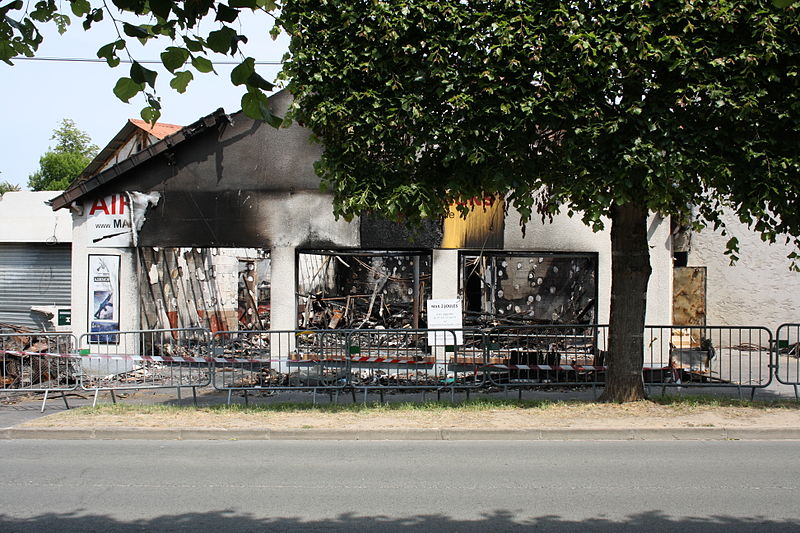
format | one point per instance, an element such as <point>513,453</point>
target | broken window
<point>364,289</point>
<point>215,288</point>
<point>507,288</point>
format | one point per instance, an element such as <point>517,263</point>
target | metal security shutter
<point>33,275</point>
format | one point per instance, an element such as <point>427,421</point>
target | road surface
<point>477,486</point>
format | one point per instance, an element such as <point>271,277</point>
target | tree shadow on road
<point>500,520</point>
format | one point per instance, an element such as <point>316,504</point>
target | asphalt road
<point>398,486</point>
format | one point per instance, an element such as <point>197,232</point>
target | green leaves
<point>109,52</point>
<point>201,64</point>
<point>162,8</point>
<point>583,105</point>
<point>181,80</point>
<point>242,73</point>
<point>142,75</point>
<point>61,164</point>
<point>226,14</point>
<point>126,88</point>
<point>80,7</point>
<point>223,40</point>
<point>150,114</point>
<point>174,58</point>
<point>256,106</point>
<point>132,30</point>
<point>245,73</point>
<point>147,21</point>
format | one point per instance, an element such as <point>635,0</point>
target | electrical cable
<point>121,60</point>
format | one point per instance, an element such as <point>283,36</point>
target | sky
<point>36,95</point>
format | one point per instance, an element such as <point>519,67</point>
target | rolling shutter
<point>33,275</point>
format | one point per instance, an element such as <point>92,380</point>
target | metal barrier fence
<point>380,360</point>
<point>145,359</point>
<point>39,362</point>
<point>787,356</point>
<point>414,359</point>
<point>534,356</point>
<point>719,356</point>
<point>280,360</point>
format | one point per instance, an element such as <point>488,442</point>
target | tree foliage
<point>7,186</point>
<point>669,104</point>
<point>65,161</point>
<point>182,24</point>
<point>608,109</point>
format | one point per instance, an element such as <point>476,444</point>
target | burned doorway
<point>363,289</point>
<point>512,288</point>
<point>220,289</point>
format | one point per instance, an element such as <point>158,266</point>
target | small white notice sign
<point>445,314</point>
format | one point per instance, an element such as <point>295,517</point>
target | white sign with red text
<point>109,220</point>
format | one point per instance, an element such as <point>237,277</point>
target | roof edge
<point>78,190</point>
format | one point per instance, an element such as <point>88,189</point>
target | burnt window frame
<point>594,257</point>
<point>355,252</point>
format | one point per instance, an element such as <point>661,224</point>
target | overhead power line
<point>143,61</point>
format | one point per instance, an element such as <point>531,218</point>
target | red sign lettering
<point>118,203</point>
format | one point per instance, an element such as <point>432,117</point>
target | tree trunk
<point>630,272</point>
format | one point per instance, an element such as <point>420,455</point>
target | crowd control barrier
<point>787,356</point>
<point>314,360</point>
<point>381,360</point>
<point>718,356</point>
<point>38,362</point>
<point>145,359</point>
<point>414,359</point>
<point>522,357</point>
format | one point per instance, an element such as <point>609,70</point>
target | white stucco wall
<point>758,290</point>
<point>445,274</point>
<point>128,284</point>
<point>25,217</point>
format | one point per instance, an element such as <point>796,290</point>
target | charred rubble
<point>363,290</point>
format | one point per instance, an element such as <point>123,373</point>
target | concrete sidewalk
<point>15,415</point>
<point>548,434</point>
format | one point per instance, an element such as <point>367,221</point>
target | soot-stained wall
<point>238,183</point>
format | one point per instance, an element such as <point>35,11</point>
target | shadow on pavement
<point>497,521</point>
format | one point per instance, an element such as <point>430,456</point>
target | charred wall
<point>236,182</point>
<point>381,233</point>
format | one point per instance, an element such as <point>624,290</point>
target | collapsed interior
<point>363,289</point>
<point>220,289</point>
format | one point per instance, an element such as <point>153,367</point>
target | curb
<point>549,434</point>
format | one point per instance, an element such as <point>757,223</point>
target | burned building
<point>222,224</point>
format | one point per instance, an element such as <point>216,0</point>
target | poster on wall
<point>103,298</point>
<point>445,314</point>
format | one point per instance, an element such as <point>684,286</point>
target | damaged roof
<point>159,130</point>
<point>170,135</point>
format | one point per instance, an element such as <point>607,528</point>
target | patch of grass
<point>474,405</point>
<point>718,401</point>
<point>375,407</point>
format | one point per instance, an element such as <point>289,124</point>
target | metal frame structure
<point>51,363</point>
<point>176,358</point>
<point>712,356</point>
<point>787,356</point>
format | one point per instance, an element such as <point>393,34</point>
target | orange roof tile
<point>158,130</point>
